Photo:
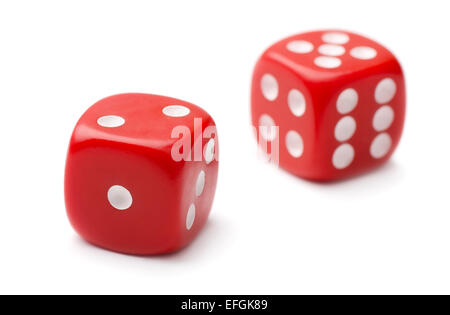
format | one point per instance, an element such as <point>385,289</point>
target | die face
<point>124,190</point>
<point>357,132</point>
<point>97,174</point>
<point>332,54</point>
<point>290,110</point>
<point>348,123</point>
<point>139,119</point>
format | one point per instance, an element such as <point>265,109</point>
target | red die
<point>338,99</point>
<point>141,173</point>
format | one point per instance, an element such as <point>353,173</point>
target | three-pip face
<point>134,182</point>
<point>338,99</point>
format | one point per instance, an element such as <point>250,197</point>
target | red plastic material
<point>124,191</point>
<point>338,99</point>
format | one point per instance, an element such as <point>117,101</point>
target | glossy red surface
<point>137,156</point>
<point>321,88</point>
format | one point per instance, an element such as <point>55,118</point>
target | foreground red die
<point>141,173</point>
<point>338,99</point>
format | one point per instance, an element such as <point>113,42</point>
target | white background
<point>269,232</point>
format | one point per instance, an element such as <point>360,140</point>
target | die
<point>141,173</point>
<point>333,100</point>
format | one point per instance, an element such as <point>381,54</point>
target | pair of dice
<point>142,169</point>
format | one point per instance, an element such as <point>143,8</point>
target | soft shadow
<point>210,239</point>
<point>386,176</point>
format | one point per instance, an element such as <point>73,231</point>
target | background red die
<point>124,189</point>
<point>338,99</point>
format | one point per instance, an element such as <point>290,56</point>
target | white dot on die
<point>190,217</point>
<point>327,62</point>
<point>296,102</point>
<point>110,121</point>
<point>335,38</point>
<point>343,156</point>
<point>380,145</point>
<point>294,143</point>
<point>363,53</point>
<point>267,128</point>
<point>269,87</point>
<point>331,50</point>
<point>345,128</point>
<point>383,118</point>
<point>347,101</point>
<point>200,184</point>
<point>119,197</point>
<point>300,47</point>
<point>209,151</point>
<point>385,91</point>
<point>176,111</point>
